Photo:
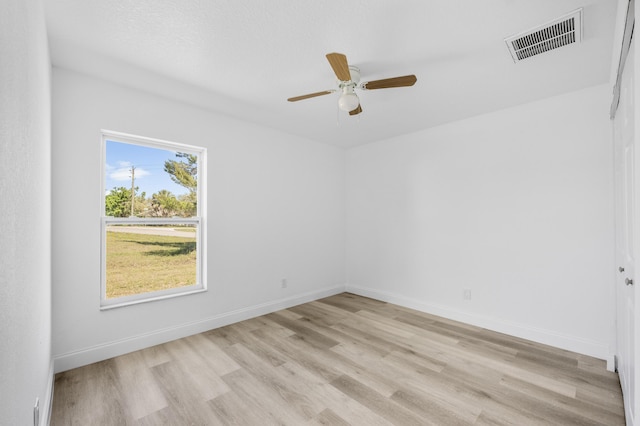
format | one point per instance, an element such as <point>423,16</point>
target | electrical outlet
<point>467,294</point>
<point>36,413</point>
<point>284,283</point>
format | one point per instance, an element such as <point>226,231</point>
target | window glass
<point>152,223</point>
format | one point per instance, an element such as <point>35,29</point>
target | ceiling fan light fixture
<point>348,101</point>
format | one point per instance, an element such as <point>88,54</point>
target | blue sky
<point>150,176</point>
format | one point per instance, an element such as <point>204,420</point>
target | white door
<point>625,223</point>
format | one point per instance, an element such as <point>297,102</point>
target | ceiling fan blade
<point>340,66</point>
<point>310,95</point>
<point>356,111</point>
<point>407,80</point>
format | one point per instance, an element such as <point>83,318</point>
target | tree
<point>118,202</point>
<point>184,173</point>
<point>164,204</point>
<point>141,205</point>
<point>188,203</point>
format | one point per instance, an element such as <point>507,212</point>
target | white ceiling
<point>246,57</point>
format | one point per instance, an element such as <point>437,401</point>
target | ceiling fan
<point>349,80</point>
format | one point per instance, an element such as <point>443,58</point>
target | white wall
<point>25,227</point>
<point>275,207</point>
<point>516,206</point>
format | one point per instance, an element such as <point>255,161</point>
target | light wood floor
<point>342,360</point>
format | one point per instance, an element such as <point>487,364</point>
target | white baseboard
<point>548,337</point>
<point>108,350</point>
<point>611,363</point>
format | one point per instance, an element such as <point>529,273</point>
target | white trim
<point>548,337</point>
<point>45,414</point>
<point>624,45</point>
<point>199,221</point>
<point>136,299</point>
<point>108,350</point>
<point>151,142</point>
<point>109,220</point>
<point>618,37</point>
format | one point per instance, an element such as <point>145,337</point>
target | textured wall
<point>25,242</point>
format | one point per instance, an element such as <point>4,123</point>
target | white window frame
<point>198,221</point>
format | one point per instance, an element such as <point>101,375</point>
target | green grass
<point>139,263</point>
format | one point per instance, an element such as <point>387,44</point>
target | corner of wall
<point>108,350</point>
<point>45,413</point>
<point>548,337</point>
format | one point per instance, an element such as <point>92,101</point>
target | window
<point>153,221</point>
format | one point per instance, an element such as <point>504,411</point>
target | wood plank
<point>195,370</point>
<point>385,407</point>
<point>88,395</point>
<point>314,338</point>
<point>231,409</point>
<point>273,405</point>
<point>581,410</point>
<point>138,385</point>
<point>187,404</point>
<point>287,396</point>
<point>341,360</point>
<point>328,417</point>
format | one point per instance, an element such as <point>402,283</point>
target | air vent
<point>560,32</point>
